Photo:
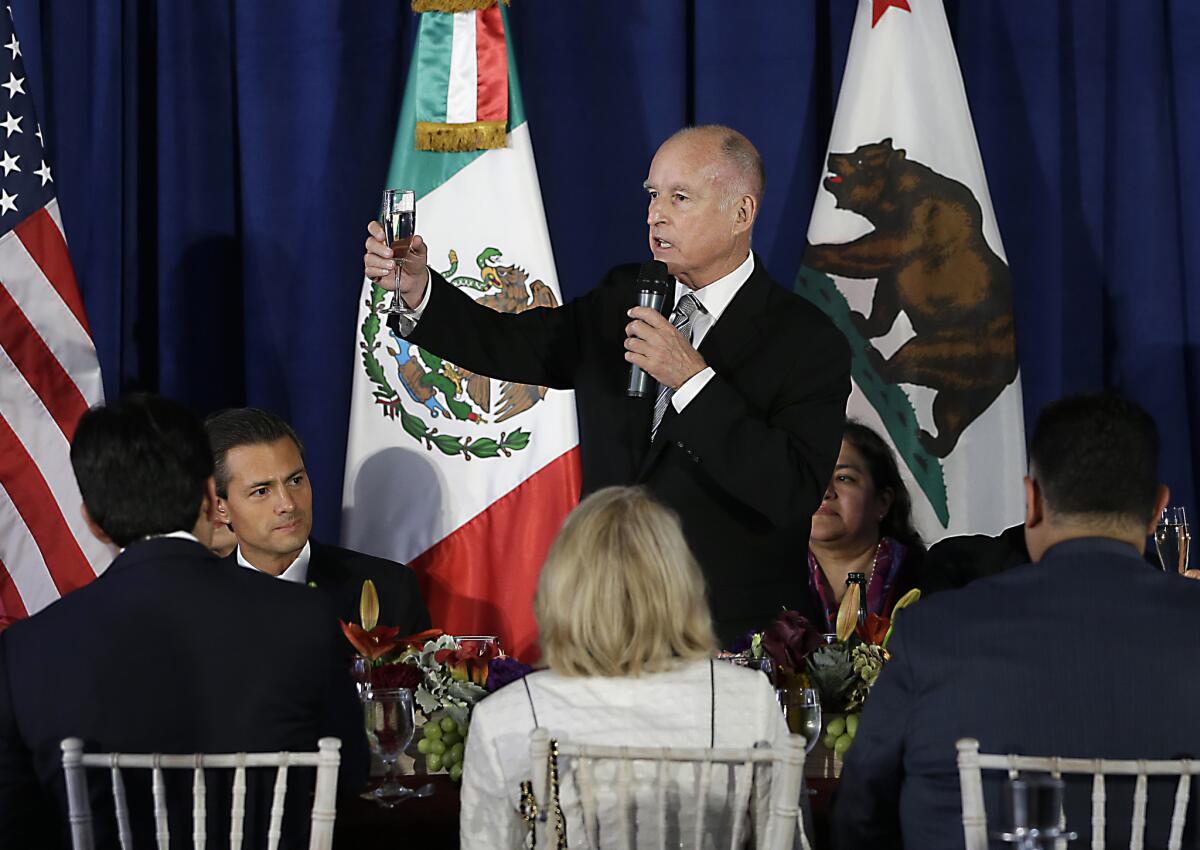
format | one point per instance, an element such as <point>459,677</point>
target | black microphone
<point>654,285</point>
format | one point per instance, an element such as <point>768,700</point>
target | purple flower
<point>503,671</point>
<point>790,640</point>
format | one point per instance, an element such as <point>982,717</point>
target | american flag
<point>49,374</point>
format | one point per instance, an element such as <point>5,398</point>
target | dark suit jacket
<point>957,561</point>
<point>746,462</point>
<point>339,573</point>
<point>169,650</point>
<point>1090,652</point>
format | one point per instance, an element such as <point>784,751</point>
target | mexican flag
<point>464,478</point>
<point>905,255</point>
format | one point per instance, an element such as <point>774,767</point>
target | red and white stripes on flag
<point>49,376</point>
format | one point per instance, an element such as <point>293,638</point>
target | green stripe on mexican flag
<point>465,478</point>
<point>904,254</point>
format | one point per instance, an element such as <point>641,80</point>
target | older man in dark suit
<point>169,650</point>
<point>740,433</point>
<point>1088,652</point>
<point>264,495</point>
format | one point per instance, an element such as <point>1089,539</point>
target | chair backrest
<point>326,760</point>
<point>781,812</point>
<point>971,763</point>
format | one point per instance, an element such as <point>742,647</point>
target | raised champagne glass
<point>398,216</point>
<point>1172,539</point>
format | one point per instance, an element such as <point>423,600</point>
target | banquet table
<point>433,821</point>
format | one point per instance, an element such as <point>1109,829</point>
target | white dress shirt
<point>297,570</point>
<point>713,298</point>
<point>673,709</point>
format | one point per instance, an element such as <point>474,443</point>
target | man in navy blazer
<point>169,650</point>
<point>264,495</point>
<point>749,390</point>
<point>1088,652</point>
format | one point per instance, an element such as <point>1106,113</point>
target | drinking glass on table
<point>808,705</point>
<point>389,720</point>
<point>398,216</point>
<point>1172,539</point>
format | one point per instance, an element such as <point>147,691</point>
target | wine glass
<point>398,216</point>
<point>807,704</point>
<point>389,721</point>
<point>1172,539</point>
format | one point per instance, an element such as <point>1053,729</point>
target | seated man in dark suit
<point>1042,659</point>
<point>169,650</point>
<point>263,493</point>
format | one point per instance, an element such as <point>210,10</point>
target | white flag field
<point>463,477</point>
<point>905,255</point>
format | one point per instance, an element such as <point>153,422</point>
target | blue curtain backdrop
<point>216,163</point>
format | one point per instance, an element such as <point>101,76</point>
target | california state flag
<point>464,478</point>
<point>904,254</point>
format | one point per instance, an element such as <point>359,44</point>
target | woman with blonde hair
<point>628,641</point>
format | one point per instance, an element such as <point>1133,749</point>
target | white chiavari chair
<point>326,760</point>
<point>971,764</point>
<point>772,816</point>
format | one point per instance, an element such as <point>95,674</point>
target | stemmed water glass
<point>807,704</point>
<point>389,721</point>
<point>1172,539</point>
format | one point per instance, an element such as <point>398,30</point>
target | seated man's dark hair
<point>243,426</point>
<point>141,463</point>
<point>1096,457</point>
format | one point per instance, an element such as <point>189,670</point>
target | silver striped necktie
<point>685,311</point>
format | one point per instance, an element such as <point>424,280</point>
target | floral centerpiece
<point>841,667</point>
<point>447,675</point>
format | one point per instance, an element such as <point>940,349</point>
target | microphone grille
<point>654,273</point>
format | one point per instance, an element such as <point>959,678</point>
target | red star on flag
<point>878,7</point>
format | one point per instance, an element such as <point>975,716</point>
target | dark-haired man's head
<point>1093,472</point>
<point>144,468</point>
<point>263,491</point>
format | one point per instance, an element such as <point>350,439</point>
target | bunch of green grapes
<point>443,742</point>
<point>840,732</point>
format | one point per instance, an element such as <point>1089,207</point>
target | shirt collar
<point>296,572</point>
<point>715,297</point>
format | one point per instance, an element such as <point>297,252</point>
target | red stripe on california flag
<point>45,243</point>
<point>35,503</point>
<point>481,578</point>
<point>11,606</point>
<point>491,66</point>
<point>40,368</point>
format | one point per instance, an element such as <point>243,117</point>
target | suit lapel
<point>725,346</point>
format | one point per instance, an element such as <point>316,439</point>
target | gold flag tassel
<point>446,138</point>
<point>453,5</point>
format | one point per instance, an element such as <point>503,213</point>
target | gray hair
<point>749,174</point>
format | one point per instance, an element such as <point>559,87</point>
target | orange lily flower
<point>373,644</point>
<point>469,661</point>
<point>419,640</point>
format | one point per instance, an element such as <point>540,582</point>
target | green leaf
<point>413,424</point>
<point>485,447</point>
<point>517,440</point>
<point>448,444</point>
<point>426,700</point>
